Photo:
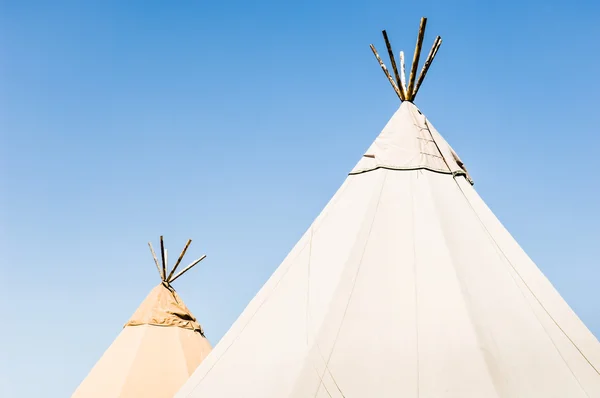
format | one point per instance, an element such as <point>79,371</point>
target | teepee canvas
<point>157,350</point>
<point>406,285</point>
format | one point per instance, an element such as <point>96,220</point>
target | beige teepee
<point>406,285</point>
<point>157,350</point>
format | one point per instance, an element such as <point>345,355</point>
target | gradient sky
<point>233,123</point>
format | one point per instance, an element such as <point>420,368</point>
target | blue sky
<point>233,123</point>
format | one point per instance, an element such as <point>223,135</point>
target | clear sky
<point>234,122</point>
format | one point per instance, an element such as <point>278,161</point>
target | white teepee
<point>157,350</point>
<point>406,285</point>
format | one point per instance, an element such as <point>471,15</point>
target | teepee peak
<point>408,92</point>
<point>163,306</point>
<point>405,285</point>
<point>158,348</point>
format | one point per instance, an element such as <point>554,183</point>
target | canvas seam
<point>413,225</point>
<point>354,285</point>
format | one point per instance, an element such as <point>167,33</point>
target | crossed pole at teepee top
<point>404,92</point>
<point>164,266</point>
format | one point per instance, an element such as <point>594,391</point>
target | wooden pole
<point>179,259</point>
<point>434,49</point>
<point>393,61</point>
<point>166,262</point>
<point>395,87</point>
<point>162,255</point>
<point>162,277</point>
<point>402,72</point>
<point>415,64</point>
<point>186,269</point>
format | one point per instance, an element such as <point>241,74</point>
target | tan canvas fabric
<point>406,285</point>
<point>155,353</point>
<point>164,307</point>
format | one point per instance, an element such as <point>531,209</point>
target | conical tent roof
<point>406,285</point>
<point>155,353</point>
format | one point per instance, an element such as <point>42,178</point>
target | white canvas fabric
<point>410,142</point>
<point>406,285</point>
